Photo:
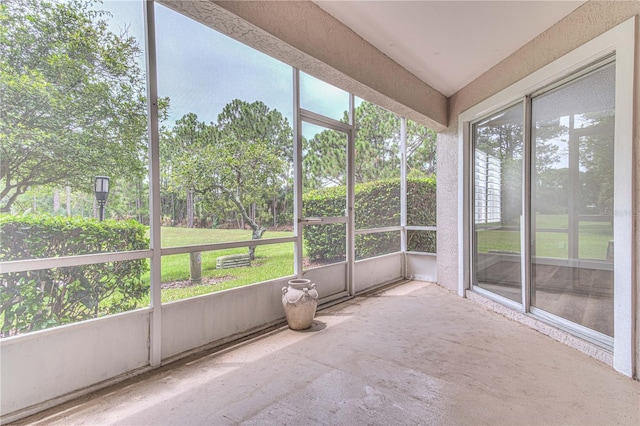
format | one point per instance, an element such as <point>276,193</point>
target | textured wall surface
<point>585,23</point>
<point>301,34</point>
<point>447,195</point>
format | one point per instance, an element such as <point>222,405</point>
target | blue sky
<point>201,70</point>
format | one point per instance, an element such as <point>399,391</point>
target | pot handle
<point>302,296</point>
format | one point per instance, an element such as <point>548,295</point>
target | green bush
<point>44,298</point>
<point>377,204</point>
<point>421,211</point>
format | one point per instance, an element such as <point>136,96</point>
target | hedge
<point>377,204</point>
<point>38,299</point>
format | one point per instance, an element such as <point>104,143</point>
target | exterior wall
<point>587,22</point>
<point>447,208</point>
<point>301,34</point>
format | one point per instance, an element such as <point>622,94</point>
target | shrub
<point>38,299</point>
<point>421,210</point>
<point>377,204</point>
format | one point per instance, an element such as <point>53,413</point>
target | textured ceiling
<point>448,44</point>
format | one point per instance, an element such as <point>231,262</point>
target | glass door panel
<point>497,203</point>
<point>324,199</point>
<point>572,200</point>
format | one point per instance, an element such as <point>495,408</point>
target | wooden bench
<point>233,261</point>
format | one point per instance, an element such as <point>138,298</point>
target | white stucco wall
<point>587,22</point>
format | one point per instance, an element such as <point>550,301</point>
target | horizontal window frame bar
<point>421,228</point>
<point>69,261</point>
<point>324,220</point>
<point>422,253</point>
<point>367,231</point>
<point>324,121</point>
<point>168,251</point>
<point>95,258</point>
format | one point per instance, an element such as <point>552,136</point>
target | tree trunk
<point>56,201</point>
<point>68,200</point>
<point>275,212</point>
<point>255,227</point>
<point>173,208</point>
<point>190,212</point>
<point>255,235</point>
<point>195,259</point>
<point>195,265</point>
<point>139,201</point>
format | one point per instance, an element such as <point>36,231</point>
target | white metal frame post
<point>403,193</point>
<point>351,224</point>
<point>525,224</point>
<point>155,347</point>
<point>297,176</point>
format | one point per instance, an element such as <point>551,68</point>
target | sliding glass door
<point>572,200</point>
<point>498,202</point>
<point>552,153</point>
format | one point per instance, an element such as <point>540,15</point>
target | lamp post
<point>101,188</point>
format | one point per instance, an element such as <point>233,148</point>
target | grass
<point>275,261</point>
<point>593,239</point>
<point>272,261</point>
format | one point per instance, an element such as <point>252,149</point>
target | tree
<point>596,149</point>
<point>421,150</point>
<point>377,150</point>
<point>246,158</point>
<point>72,95</point>
<point>324,160</point>
<point>377,145</point>
<point>187,136</point>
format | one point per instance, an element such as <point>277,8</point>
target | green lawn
<point>275,261</point>
<point>272,261</point>
<point>593,238</point>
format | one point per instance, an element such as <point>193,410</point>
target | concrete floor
<point>413,354</point>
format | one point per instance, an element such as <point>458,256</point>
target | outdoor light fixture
<point>101,188</point>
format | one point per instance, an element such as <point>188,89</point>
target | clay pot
<point>300,300</point>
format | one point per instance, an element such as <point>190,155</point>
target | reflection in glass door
<point>572,200</point>
<point>497,192</point>
<point>569,260</point>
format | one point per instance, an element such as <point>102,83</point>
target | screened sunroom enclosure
<point>342,202</point>
<point>532,222</point>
